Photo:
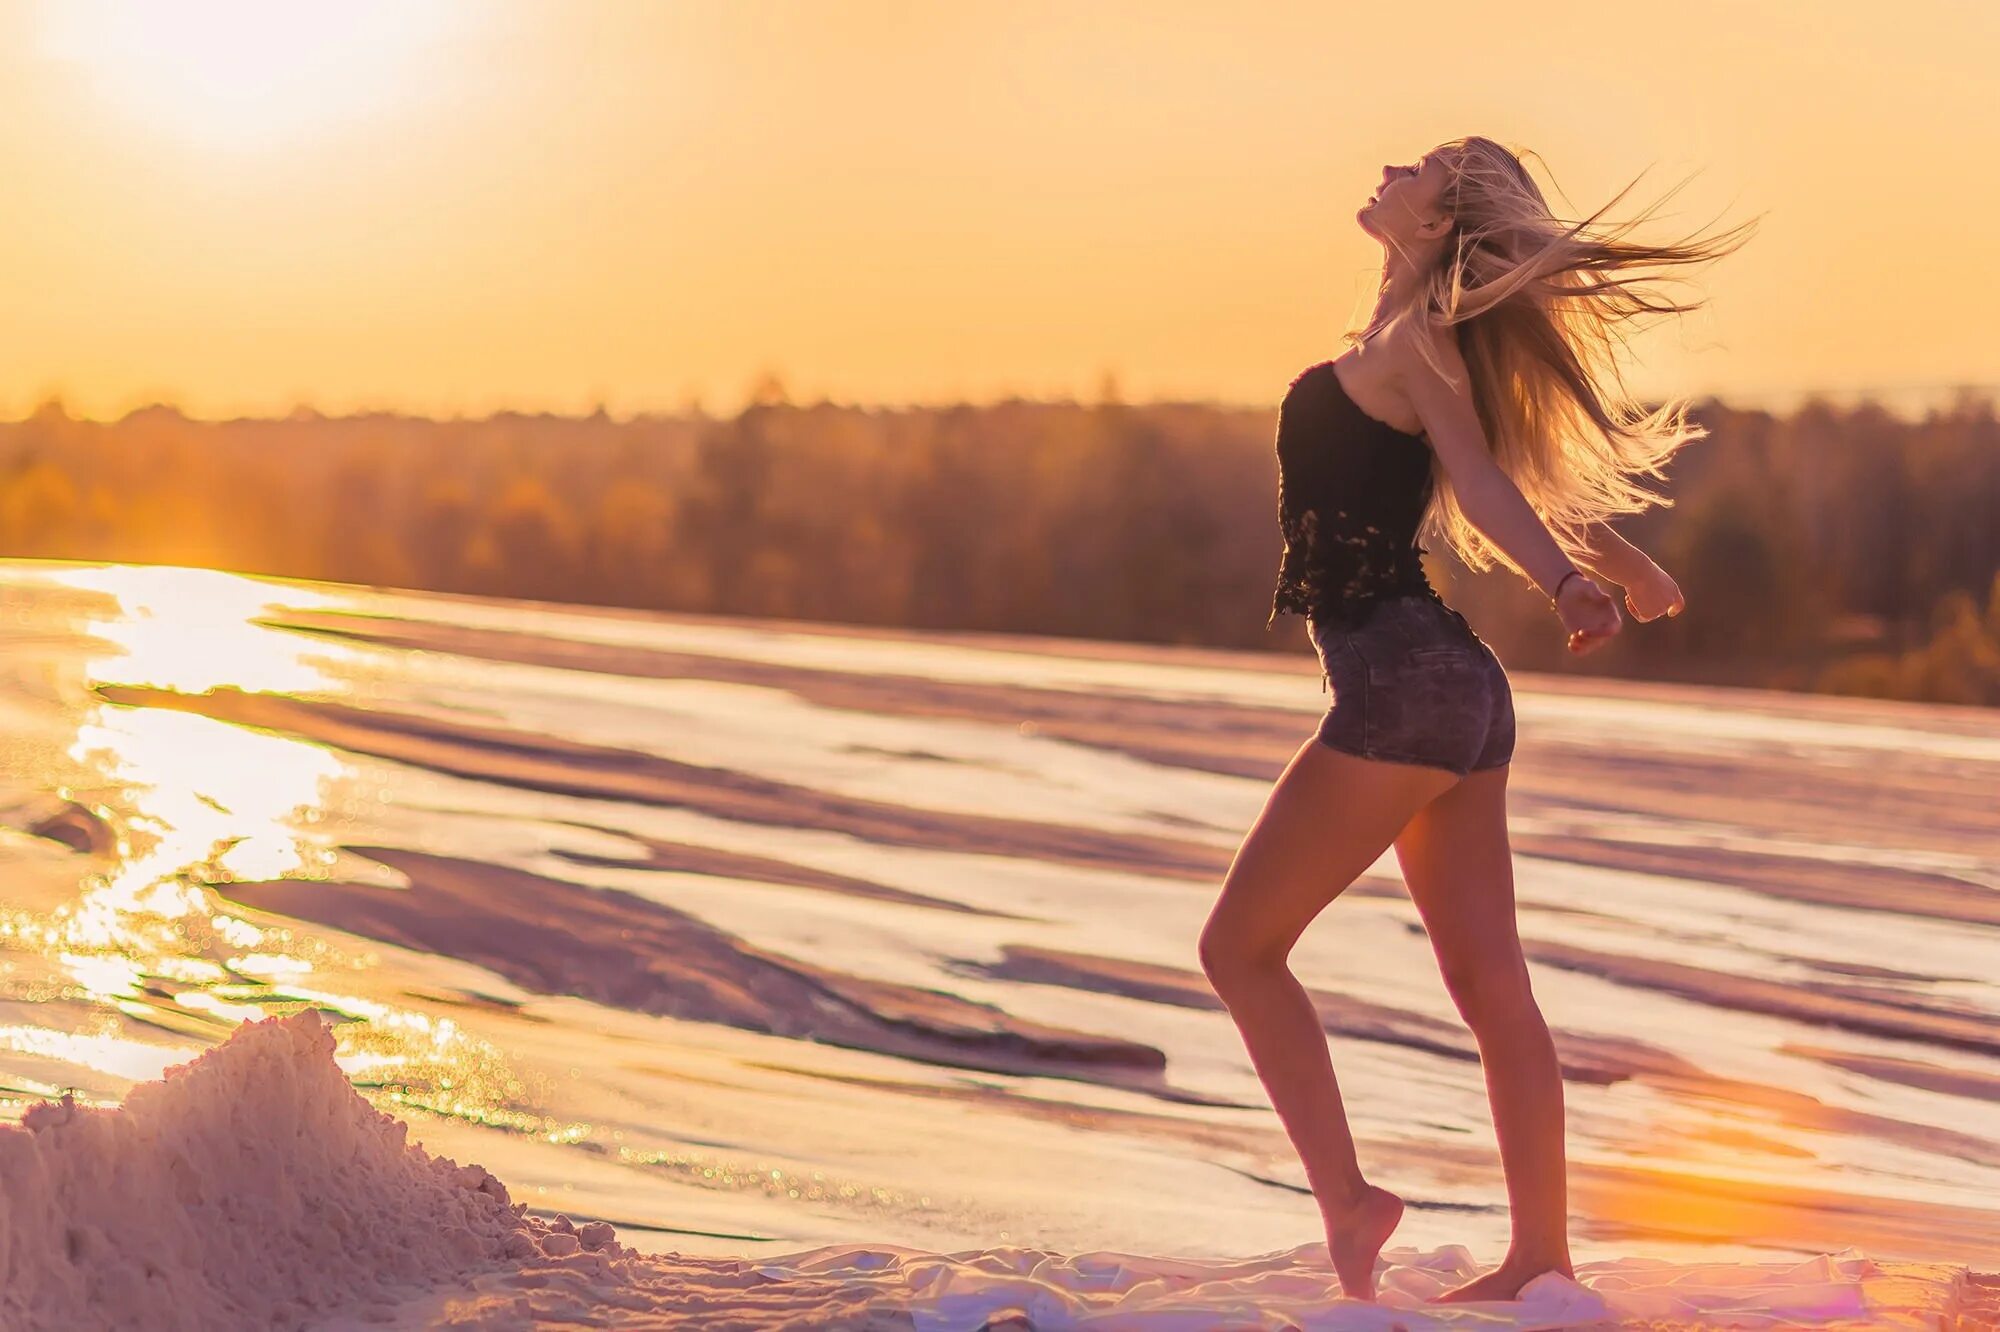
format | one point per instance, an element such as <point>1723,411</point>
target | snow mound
<point>249,1188</point>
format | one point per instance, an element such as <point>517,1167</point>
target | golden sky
<point>453,206</point>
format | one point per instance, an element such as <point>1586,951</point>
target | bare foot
<point>1355,1237</point>
<point>1504,1282</point>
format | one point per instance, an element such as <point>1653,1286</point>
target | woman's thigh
<point>1459,866</point>
<point>1328,818</point>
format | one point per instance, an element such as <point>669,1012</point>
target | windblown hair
<point>1542,308</point>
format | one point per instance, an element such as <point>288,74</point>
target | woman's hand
<point>1589,613</point>
<point>1653,594</point>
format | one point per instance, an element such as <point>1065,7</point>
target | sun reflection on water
<point>188,802</point>
<point>117,1055</point>
<point>195,630</point>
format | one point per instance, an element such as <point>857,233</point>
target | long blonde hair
<point>1541,314</point>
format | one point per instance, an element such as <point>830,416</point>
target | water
<point>748,936</point>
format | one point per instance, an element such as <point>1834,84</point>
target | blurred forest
<point>1832,549</point>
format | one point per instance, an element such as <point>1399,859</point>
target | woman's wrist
<point>1555,594</point>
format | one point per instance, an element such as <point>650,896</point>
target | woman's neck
<point>1401,288</point>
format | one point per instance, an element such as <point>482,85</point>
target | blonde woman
<point>1481,406</point>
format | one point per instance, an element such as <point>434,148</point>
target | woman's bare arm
<point>1489,497</point>
<point>1612,557</point>
<point>1650,591</point>
<point>1491,500</point>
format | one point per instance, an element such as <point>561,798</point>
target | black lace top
<point>1351,493</point>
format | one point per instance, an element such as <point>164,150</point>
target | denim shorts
<point>1415,684</point>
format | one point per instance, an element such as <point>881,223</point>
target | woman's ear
<point>1435,227</point>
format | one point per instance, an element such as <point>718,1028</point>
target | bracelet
<point>1573,573</point>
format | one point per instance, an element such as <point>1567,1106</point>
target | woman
<point>1481,404</point>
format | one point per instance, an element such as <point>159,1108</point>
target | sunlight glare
<point>244,72</point>
<point>195,630</point>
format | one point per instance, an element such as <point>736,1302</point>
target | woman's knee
<point>1231,951</point>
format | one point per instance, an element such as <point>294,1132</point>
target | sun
<point>243,72</point>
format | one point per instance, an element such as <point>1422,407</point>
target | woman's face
<point>1407,206</point>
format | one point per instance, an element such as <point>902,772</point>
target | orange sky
<point>459,205</point>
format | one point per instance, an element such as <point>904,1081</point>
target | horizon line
<point>1941,392</point>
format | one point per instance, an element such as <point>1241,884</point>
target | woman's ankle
<point>1345,1206</point>
<point>1536,1259</point>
